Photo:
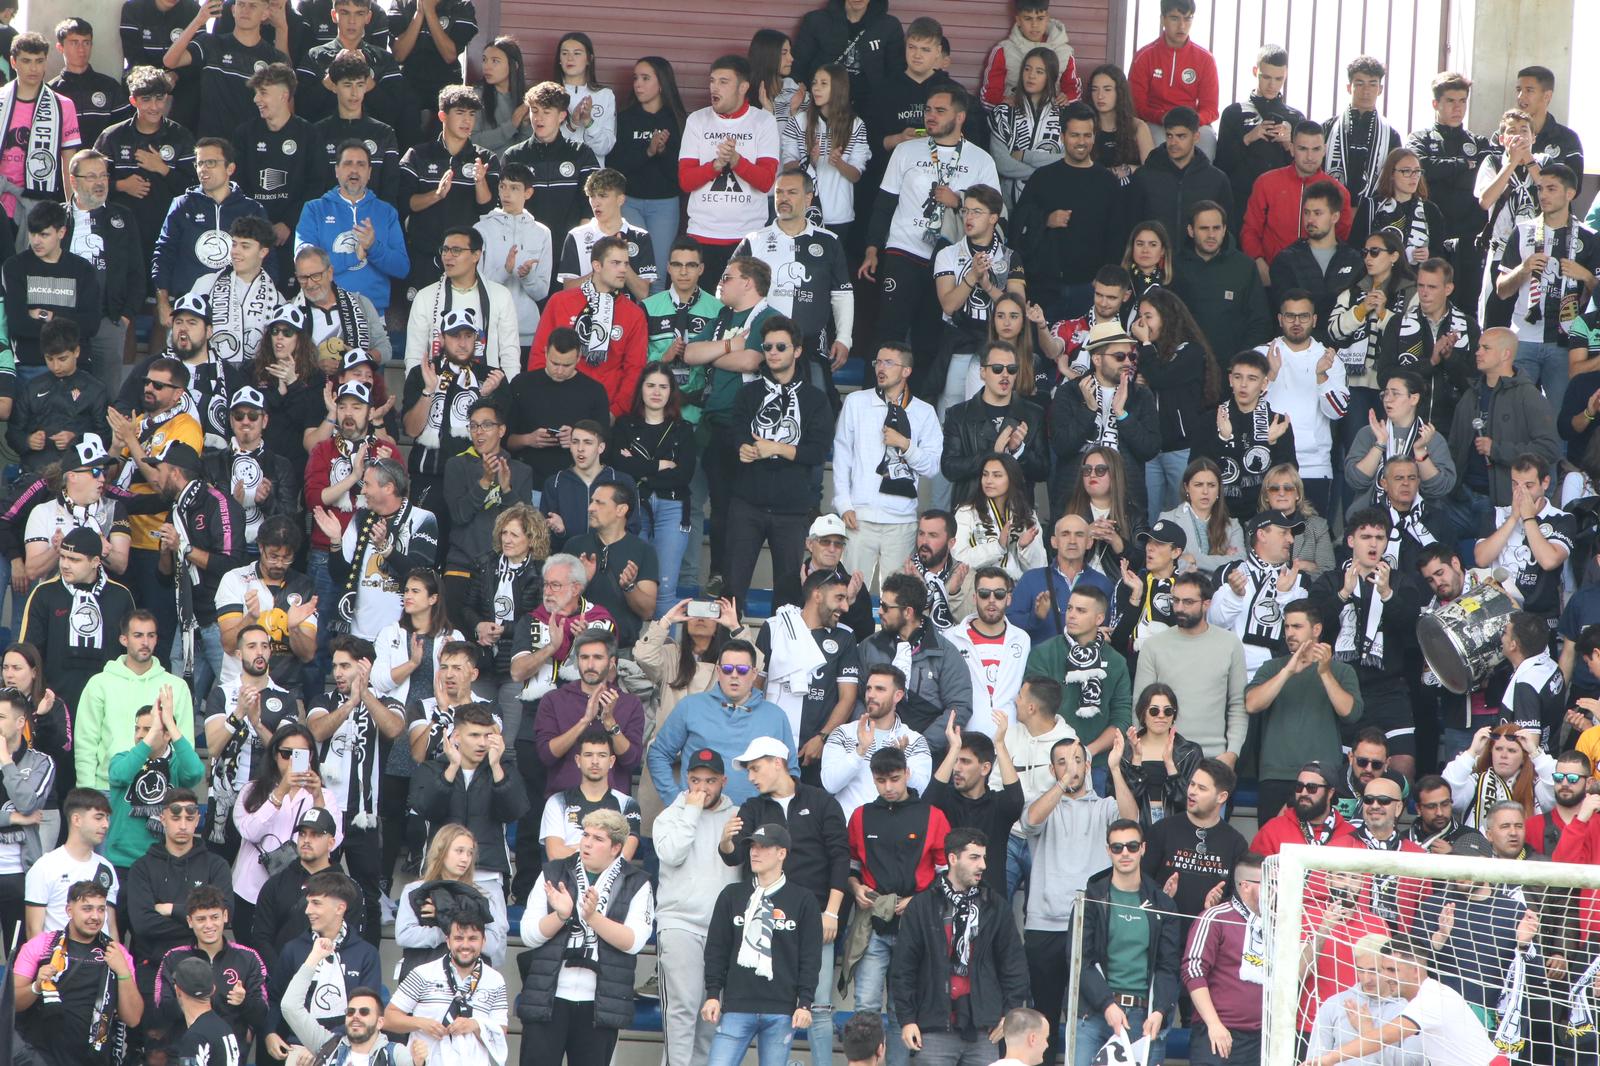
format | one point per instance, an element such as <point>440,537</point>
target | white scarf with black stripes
<point>755,942</point>
<point>1411,524</point>
<point>1360,624</point>
<point>239,313</point>
<point>1339,146</point>
<point>458,389</point>
<point>41,173</point>
<point>1264,614</point>
<point>86,624</point>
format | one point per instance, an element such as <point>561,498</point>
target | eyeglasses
<point>992,594</point>
<point>482,427</point>
<point>974,212</point>
<point>184,810</point>
<point>1309,786</point>
<point>1094,470</point>
<point>1378,801</point>
<point>1409,172</point>
<point>454,249</point>
<point>1566,779</point>
<point>313,276</point>
<point>1009,369</point>
<point>1132,847</point>
<point>735,668</point>
<point>207,164</point>
<point>885,364</point>
<point>1160,710</point>
<point>1370,764</point>
<point>775,346</point>
<point>1373,253</point>
<point>155,384</point>
<point>283,331</point>
<point>1297,316</point>
<point>1283,488</point>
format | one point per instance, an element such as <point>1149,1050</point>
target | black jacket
<point>527,591</point>
<point>158,876</point>
<point>485,806</point>
<point>234,962</point>
<point>820,856</point>
<point>1244,163</point>
<point>125,278</point>
<point>920,968</point>
<point>559,171</point>
<point>69,287</point>
<point>1165,193</point>
<point>1073,429</point>
<point>1226,297</point>
<point>1450,156</point>
<point>1407,344</point>
<point>994,812</point>
<point>1178,385</point>
<point>284,497</point>
<point>969,435</point>
<point>1166,945</point>
<point>796,952</point>
<point>870,50</point>
<point>1154,788</point>
<point>77,403</point>
<point>1070,254</point>
<point>281,910</point>
<point>1296,268</point>
<point>782,486</point>
<point>46,625</point>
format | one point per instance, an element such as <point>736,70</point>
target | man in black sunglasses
<point>1368,761</point>
<point>1310,819</point>
<point>1107,409</point>
<point>996,420</point>
<point>1391,899</point>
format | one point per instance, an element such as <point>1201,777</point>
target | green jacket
<point>1225,296</point>
<point>1116,691</point>
<point>130,835</point>
<point>661,311</point>
<point>103,726</point>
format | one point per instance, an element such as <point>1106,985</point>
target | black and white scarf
<point>506,574</point>
<point>979,308</point>
<point>1411,524</point>
<point>86,624</point>
<point>460,998</point>
<point>1263,625</point>
<point>443,299</point>
<point>245,469</point>
<point>1397,445</point>
<point>1549,291</point>
<point>1348,137</point>
<point>1489,788</point>
<point>346,615</point>
<point>583,947</point>
<point>937,581</point>
<point>185,574</point>
<point>1360,638</point>
<point>1253,953</point>
<point>1086,668</point>
<point>936,217</point>
<point>1248,453</point>
<point>41,173</point>
<point>778,417</point>
<point>327,997</point>
<point>357,762</point>
<point>104,1026</point>
<point>1409,219</point>
<point>149,423</point>
<point>1510,1033</point>
<point>224,788</point>
<point>1385,888</point>
<point>1032,127</point>
<point>1106,428</point>
<point>458,389</point>
<point>594,325</point>
<point>964,916</point>
<point>147,792</point>
<point>354,329</point>
<point>1583,1006</point>
<point>1320,831</point>
<point>239,313</point>
<point>755,942</point>
<point>897,477</point>
<point>345,453</point>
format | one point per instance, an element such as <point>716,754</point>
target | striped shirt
<point>428,991</point>
<point>1215,960</point>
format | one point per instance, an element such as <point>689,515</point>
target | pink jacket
<point>268,827</point>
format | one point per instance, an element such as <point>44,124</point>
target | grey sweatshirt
<point>1206,672</point>
<point>692,872</point>
<point>1433,488</point>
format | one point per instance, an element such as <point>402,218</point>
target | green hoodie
<point>130,835</point>
<point>104,723</point>
<point>1116,691</point>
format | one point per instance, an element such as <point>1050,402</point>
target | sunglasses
<point>154,384</point>
<point>1373,253</point>
<point>1370,764</point>
<point>1282,488</point>
<point>1009,369</point>
<point>1160,710</point>
<point>1309,786</point>
<point>92,471</point>
<point>1132,847</point>
<point>775,346</point>
<point>246,416</point>
<point>992,594</point>
<point>1095,470</point>
<point>1378,801</point>
<point>184,810</point>
<point>1561,778</point>
<point>736,668</point>
<point>286,753</point>
<point>284,331</point>
<point>359,1012</point>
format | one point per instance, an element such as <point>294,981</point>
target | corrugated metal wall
<point>691,33</point>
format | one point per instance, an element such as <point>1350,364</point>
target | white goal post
<point>1285,878</point>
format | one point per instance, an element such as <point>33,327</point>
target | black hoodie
<point>1244,163</point>
<point>1165,193</point>
<point>158,876</point>
<point>870,50</point>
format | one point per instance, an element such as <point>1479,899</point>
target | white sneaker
<point>388,907</point>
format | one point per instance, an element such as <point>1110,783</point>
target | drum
<point>1462,640</point>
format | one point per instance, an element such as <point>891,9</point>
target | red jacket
<point>1284,828</point>
<point>1272,218</point>
<point>319,475</point>
<point>1580,843</point>
<point>625,358</point>
<point>1162,79</point>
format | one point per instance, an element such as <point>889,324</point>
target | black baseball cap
<point>706,759</point>
<point>771,835</point>
<point>317,819</point>
<point>1166,531</point>
<point>182,456</point>
<point>1290,520</point>
<point>194,976</point>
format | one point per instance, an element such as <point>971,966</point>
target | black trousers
<point>1049,959</point>
<point>571,1032</point>
<point>1271,798</point>
<point>12,911</point>
<point>910,311</point>
<point>1246,1050</point>
<point>529,851</point>
<point>749,528</point>
<point>362,852</point>
<point>719,460</point>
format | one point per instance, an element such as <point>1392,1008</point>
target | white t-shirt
<point>46,520</point>
<point>726,207</point>
<point>911,175</point>
<point>233,588</point>
<point>427,992</point>
<point>48,881</point>
<point>1450,1031</point>
<point>575,253</point>
<point>377,592</point>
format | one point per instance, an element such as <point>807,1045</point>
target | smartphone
<point>703,609</point>
<point>299,761</point>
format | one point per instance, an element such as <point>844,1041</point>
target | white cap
<point>828,525</point>
<point>761,748</point>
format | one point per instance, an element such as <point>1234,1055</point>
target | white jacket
<point>692,872</point>
<point>1312,408</point>
<point>393,645</point>
<point>997,693</point>
<point>531,238</point>
<point>601,134</point>
<point>858,449</point>
<point>504,343</point>
<point>845,770</point>
<point>978,545</point>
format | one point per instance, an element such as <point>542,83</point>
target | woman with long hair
<point>649,134</point>
<point>1121,142</point>
<point>655,446</point>
<point>1100,498</point>
<point>1401,203</point>
<point>1010,321</point>
<point>1359,316</point>
<point>49,727</point>
<point>1148,257</point>
<point>1026,129</point>
<point>825,136</point>
<point>682,666</point>
<point>452,863</point>
<point>408,649</point>
<point>1157,762</point>
<point>505,82</point>
<point>299,401</point>
<point>507,587</point>
<point>1176,363</point>
<point>771,56</point>
<point>268,810</point>
<point>996,525</point>
<point>1502,763</point>
<point>592,108</point>
<point>1284,490</point>
<point>1215,537</point>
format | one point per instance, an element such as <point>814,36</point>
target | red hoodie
<point>1285,828</point>
<point>1272,218</point>
<point>1163,78</point>
<point>625,356</point>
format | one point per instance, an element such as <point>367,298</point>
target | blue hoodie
<point>327,221</point>
<point>181,257</point>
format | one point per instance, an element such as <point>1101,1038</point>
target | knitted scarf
<point>1248,453</point>
<point>1398,445</point>
<point>755,942</point>
<point>239,313</point>
<point>1086,669</point>
<point>964,917</point>
<point>1106,426</point>
<point>583,946</point>
<point>1358,131</point>
<point>1263,624</point>
<point>778,417</point>
<point>1410,524</point>
<point>1321,831</point>
<point>42,148</point>
<point>1489,789</point>
<point>1409,219</point>
<point>897,477</point>
<point>327,996</point>
<point>594,323</point>
<point>1361,624</point>
<point>86,624</point>
<point>457,391</point>
<point>245,469</point>
<point>186,574</point>
<point>938,590</point>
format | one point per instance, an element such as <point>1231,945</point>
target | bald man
<point>1039,602</point>
<point>1502,417</point>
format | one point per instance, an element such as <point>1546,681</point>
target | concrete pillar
<point>105,16</point>
<point>1502,36</point>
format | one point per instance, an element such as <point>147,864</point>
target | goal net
<point>1517,942</point>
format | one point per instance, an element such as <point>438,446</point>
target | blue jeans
<point>660,218</point>
<point>1019,863</point>
<point>872,989</point>
<point>1454,741</point>
<point>821,1033</point>
<point>1093,1032</point>
<point>1543,364</point>
<point>1163,482</point>
<point>663,530</point>
<point>26,374</point>
<point>773,1033</point>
